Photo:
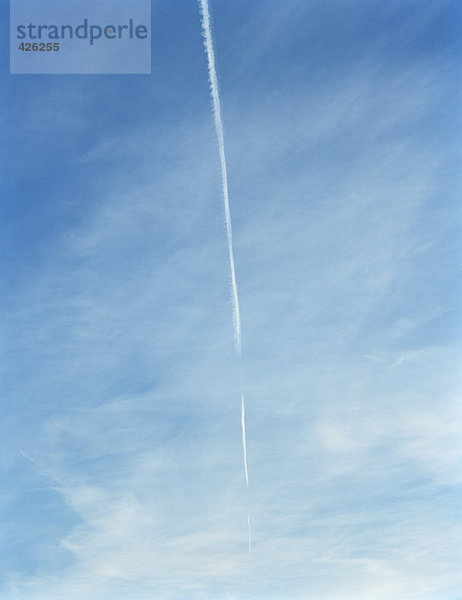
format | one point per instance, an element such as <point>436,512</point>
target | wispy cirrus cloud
<point>123,380</point>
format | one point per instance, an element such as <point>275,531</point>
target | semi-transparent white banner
<point>80,36</point>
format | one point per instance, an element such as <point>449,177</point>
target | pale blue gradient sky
<point>121,462</point>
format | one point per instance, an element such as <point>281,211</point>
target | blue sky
<point>121,460</point>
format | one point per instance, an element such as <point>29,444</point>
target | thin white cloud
<point>215,94</point>
<point>127,377</point>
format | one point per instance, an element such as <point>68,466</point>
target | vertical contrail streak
<point>244,441</point>
<point>215,95</point>
<point>224,172</point>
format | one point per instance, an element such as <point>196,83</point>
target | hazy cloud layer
<point>122,462</point>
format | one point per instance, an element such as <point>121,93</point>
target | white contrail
<point>215,95</point>
<point>250,533</point>
<point>204,6</point>
<point>244,441</point>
